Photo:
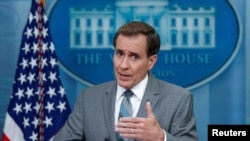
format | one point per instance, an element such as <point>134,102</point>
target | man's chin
<point>125,85</point>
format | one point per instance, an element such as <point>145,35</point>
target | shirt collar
<point>138,89</point>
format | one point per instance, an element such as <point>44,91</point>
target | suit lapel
<point>151,94</point>
<point>108,110</point>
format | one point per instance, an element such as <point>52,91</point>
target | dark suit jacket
<point>93,116</point>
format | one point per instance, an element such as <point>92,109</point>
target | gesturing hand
<point>143,129</point>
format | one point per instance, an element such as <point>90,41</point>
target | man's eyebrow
<point>119,50</point>
<point>134,54</point>
<point>131,53</point>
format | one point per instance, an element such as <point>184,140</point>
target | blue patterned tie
<point>126,106</point>
<point>125,109</point>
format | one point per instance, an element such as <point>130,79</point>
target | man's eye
<point>118,53</point>
<point>135,57</point>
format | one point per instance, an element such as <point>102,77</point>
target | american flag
<point>38,106</point>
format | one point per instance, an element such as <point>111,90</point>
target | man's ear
<point>152,61</point>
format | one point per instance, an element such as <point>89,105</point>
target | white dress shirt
<point>135,99</point>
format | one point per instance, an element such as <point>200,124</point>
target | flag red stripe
<point>36,81</point>
<point>5,138</point>
<point>12,132</point>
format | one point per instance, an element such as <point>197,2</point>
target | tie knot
<point>128,93</point>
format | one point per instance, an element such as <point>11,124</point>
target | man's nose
<point>125,62</point>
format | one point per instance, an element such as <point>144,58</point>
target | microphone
<point>149,101</point>
<point>106,139</point>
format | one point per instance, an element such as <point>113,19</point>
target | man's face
<point>131,63</point>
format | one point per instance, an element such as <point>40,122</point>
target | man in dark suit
<point>160,111</point>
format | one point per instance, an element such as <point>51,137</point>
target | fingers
<point>127,122</point>
<point>126,129</point>
<point>138,127</point>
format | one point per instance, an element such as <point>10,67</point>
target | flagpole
<point>40,72</point>
<point>38,105</point>
<point>43,2</point>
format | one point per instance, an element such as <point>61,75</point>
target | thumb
<point>149,110</point>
